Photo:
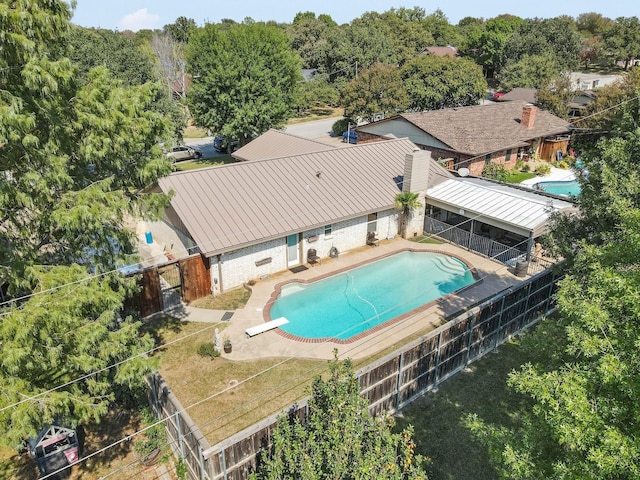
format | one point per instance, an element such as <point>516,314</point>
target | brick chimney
<point>528,115</point>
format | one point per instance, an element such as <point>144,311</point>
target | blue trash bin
<point>149,237</point>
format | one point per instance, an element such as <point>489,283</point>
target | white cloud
<point>138,20</point>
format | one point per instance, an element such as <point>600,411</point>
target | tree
<point>340,438</point>
<point>623,40</point>
<point>170,63</point>
<point>378,89</point>
<point>557,37</point>
<point>442,31</point>
<point>406,202</point>
<point>244,79</point>
<point>584,418</point>
<point>316,92</point>
<point>593,24</point>
<point>555,95</point>
<point>442,82</point>
<point>180,30</point>
<point>531,71</point>
<point>76,163</point>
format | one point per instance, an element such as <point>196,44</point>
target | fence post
<point>495,346</point>
<point>399,381</point>
<point>438,359</point>
<point>471,325</point>
<point>223,460</point>
<point>201,458</point>
<point>180,442</point>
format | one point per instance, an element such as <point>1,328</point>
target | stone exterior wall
<point>239,266</point>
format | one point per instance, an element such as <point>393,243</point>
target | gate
<point>170,285</point>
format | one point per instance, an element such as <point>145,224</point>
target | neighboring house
<point>275,143</point>
<point>591,81</point>
<point>254,219</point>
<point>579,103</point>
<point>472,137</point>
<point>447,51</point>
<point>309,73</point>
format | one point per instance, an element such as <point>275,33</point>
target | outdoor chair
<point>312,256</point>
<point>372,239</point>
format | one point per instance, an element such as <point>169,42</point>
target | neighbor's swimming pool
<point>347,304</point>
<point>567,188</point>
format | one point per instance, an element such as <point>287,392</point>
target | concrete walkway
<point>495,278</point>
<point>556,175</point>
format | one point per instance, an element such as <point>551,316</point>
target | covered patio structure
<point>503,222</point>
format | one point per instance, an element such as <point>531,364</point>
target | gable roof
<point>442,51</point>
<point>275,143</point>
<point>241,204</point>
<point>481,129</point>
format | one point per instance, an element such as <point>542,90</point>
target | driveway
<point>205,145</point>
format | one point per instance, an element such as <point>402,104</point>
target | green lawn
<point>205,162</point>
<point>517,177</point>
<point>439,418</point>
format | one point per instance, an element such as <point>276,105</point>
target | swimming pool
<point>349,303</point>
<point>566,188</point>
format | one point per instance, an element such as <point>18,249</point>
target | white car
<point>183,152</point>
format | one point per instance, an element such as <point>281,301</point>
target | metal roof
<point>498,203</point>
<point>231,206</point>
<point>275,143</point>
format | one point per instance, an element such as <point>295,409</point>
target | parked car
<point>183,152</point>
<point>224,145</point>
<point>497,96</point>
<point>350,136</point>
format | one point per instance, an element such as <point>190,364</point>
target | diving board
<point>266,326</point>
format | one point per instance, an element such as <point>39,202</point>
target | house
<point>591,81</point>
<point>252,219</point>
<point>276,143</point>
<point>447,51</point>
<point>472,137</point>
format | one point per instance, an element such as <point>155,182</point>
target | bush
<point>520,166</point>
<point>563,165</point>
<point>152,439</point>
<point>495,171</point>
<point>526,168</point>
<point>341,126</point>
<point>208,349</point>
<point>543,169</point>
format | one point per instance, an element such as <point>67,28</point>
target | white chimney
<point>416,171</point>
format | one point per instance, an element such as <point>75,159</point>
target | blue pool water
<point>568,188</point>
<point>352,302</point>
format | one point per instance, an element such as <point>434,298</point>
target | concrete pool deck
<point>496,277</point>
<point>556,175</point>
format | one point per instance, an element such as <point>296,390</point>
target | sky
<point>150,14</point>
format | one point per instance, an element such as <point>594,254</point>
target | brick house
<point>471,137</point>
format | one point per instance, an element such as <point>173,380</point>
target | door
<point>293,250</point>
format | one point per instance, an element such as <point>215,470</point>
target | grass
<point>439,418</point>
<point>318,113</point>
<point>194,132</point>
<point>220,415</point>
<point>231,300</point>
<point>204,162</point>
<point>517,177</point>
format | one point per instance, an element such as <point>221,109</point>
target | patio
<point>495,278</point>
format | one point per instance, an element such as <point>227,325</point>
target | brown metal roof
<point>274,143</point>
<point>482,129</point>
<point>235,205</point>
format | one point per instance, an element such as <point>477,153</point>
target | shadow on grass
<point>439,418</point>
<point>159,325</point>
<point>205,162</point>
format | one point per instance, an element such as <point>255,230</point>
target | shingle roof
<point>225,208</point>
<point>448,51</point>
<point>275,143</point>
<point>520,93</point>
<point>483,129</point>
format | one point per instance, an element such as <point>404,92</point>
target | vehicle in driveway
<point>183,152</point>
<point>350,136</point>
<point>223,145</point>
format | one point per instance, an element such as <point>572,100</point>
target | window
<point>507,157</point>
<point>487,159</point>
<point>372,222</point>
<point>328,229</point>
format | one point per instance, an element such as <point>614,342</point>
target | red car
<point>497,96</point>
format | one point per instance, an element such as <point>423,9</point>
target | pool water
<point>357,300</point>
<point>567,188</point>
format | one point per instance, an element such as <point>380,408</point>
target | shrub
<point>563,165</point>
<point>526,168</point>
<point>543,169</point>
<point>495,171</point>
<point>151,439</point>
<point>520,165</point>
<point>341,126</point>
<point>208,349</point>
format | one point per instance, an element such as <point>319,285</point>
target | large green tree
<point>244,79</point>
<point>442,82</point>
<point>622,40</point>
<point>530,71</point>
<point>76,162</point>
<point>585,417</point>
<point>340,438</point>
<point>378,89</point>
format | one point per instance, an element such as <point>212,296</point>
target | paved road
<point>313,130</point>
<point>205,145</point>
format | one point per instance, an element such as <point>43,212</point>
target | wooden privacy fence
<point>388,384</point>
<point>165,286</point>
